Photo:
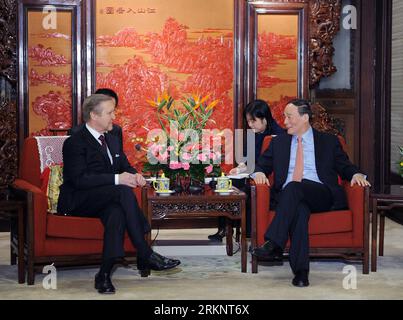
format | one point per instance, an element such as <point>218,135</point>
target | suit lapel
<point>89,138</point>
<point>285,157</point>
<point>113,146</point>
<point>317,145</point>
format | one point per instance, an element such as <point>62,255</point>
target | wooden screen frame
<point>24,7</point>
<point>253,10</point>
<point>238,38</point>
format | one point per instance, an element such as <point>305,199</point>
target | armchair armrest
<point>139,194</point>
<point>260,218</point>
<point>357,200</point>
<point>37,206</point>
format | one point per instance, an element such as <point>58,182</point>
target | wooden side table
<point>389,198</point>
<point>205,205</point>
<point>10,209</point>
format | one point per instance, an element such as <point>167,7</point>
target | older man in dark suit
<point>116,130</point>
<point>98,182</point>
<point>306,164</point>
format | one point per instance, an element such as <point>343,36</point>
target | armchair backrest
<point>267,141</point>
<point>37,154</point>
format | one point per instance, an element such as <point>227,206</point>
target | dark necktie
<point>103,141</point>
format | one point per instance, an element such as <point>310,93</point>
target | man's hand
<point>260,178</point>
<point>128,179</point>
<point>239,169</point>
<point>359,179</point>
<point>140,180</point>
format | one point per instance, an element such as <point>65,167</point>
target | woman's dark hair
<point>108,92</point>
<point>303,106</point>
<point>259,109</point>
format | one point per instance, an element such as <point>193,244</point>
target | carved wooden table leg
<point>381,231</point>
<point>229,244</point>
<point>374,234</point>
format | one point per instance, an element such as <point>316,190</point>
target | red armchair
<point>52,238</point>
<point>342,234</point>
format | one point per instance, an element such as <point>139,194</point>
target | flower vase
<point>177,185</point>
<point>184,183</point>
<point>196,186</point>
<point>213,183</point>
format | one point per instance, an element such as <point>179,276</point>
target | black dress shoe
<point>155,262</point>
<point>167,260</point>
<point>218,236</point>
<point>301,279</point>
<point>269,252</point>
<point>103,283</point>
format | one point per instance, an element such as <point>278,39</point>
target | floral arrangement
<point>183,146</point>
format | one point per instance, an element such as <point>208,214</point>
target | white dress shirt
<point>96,135</point>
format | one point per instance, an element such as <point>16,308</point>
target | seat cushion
<point>74,227</point>
<point>331,222</point>
<point>328,222</point>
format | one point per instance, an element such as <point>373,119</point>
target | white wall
<point>397,82</point>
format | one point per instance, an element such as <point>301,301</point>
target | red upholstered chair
<point>341,234</point>
<point>53,238</point>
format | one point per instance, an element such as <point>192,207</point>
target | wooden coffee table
<point>387,199</point>
<point>205,205</point>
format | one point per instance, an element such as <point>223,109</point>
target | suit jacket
<point>86,165</point>
<point>116,131</point>
<point>330,160</point>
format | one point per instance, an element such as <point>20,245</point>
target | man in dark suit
<point>116,130</point>
<point>306,164</point>
<point>98,182</point>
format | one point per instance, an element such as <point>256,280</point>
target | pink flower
<point>209,168</point>
<point>175,165</point>
<point>190,147</point>
<point>163,156</point>
<point>202,157</point>
<point>186,156</point>
<point>185,166</point>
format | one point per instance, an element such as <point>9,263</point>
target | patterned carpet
<point>218,277</point>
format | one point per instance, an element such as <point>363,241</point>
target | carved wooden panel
<point>324,25</point>
<point>322,121</point>
<point>8,39</point>
<point>8,142</point>
<point>161,210</point>
<point>8,77</point>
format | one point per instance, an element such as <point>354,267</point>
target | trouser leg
<point>297,200</point>
<point>299,247</point>
<point>93,202</point>
<point>113,219</point>
<point>286,210</point>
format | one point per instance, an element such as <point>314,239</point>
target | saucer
<point>224,192</point>
<point>165,192</point>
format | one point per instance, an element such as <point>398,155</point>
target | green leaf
<point>161,105</point>
<point>162,125</point>
<point>209,113</point>
<point>170,103</point>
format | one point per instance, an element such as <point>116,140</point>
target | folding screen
<point>277,65</point>
<point>49,84</point>
<point>147,47</point>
